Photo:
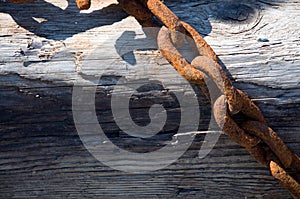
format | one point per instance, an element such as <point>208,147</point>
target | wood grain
<point>46,46</point>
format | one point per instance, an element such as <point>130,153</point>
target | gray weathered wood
<point>46,47</point>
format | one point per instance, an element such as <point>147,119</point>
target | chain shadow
<point>236,13</point>
<point>59,24</point>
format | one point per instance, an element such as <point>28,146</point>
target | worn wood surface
<point>47,46</point>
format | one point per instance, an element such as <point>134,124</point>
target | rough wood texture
<point>45,46</point>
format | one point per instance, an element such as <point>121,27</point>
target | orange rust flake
<point>83,4</point>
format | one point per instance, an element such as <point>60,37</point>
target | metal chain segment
<point>253,134</point>
<point>229,125</point>
<point>168,18</point>
<point>83,4</point>
<point>180,64</point>
<point>189,71</point>
<point>285,179</point>
<point>143,15</point>
<point>237,101</point>
<point>284,154</point>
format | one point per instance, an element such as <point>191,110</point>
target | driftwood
<point>47,46</point>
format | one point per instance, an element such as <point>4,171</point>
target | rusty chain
<point>253,134</point>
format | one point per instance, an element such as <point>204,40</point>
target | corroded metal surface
<point>83,4</point>
<point>285,179</point>
<point>253,134</point>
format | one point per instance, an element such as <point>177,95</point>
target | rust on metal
<point>180,64</point>
<point>237,100</point>
<point>229,126</point>
<point>285,179</point>
<point>254,134</point>
<point>230,102</point>
<point>168,18</point>
<point>163,13</point>
<point>83,4</point>
<point>249,108</point>
<point>284,154</point>
<point>203,48</point>
<point>136,9</point>
<point>261,155</point>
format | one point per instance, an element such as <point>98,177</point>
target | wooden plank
<point>47,46</point>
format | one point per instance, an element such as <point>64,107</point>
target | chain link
<point>254,134</point>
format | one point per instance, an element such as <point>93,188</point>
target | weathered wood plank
<point>46,46</point>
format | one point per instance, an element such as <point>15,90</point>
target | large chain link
<point>253,134</point>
